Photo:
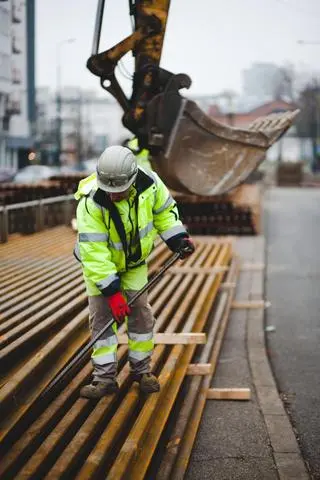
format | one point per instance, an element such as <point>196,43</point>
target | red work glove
<point>186,247</point>
<point>118,306</point>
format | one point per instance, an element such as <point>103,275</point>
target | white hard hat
<point>116,169</point>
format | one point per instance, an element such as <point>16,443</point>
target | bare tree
<point>308,122</point>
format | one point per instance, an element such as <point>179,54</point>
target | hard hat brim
<point>109,189</point>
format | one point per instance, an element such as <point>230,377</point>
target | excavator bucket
<point>205,157</point>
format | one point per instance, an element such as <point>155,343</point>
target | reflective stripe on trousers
<point>140,332</point>
<point>140,346</point>
<point>105,351</point>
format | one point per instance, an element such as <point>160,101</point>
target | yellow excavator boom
<point>192,152</point>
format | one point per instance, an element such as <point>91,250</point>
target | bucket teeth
<point>273,122</point>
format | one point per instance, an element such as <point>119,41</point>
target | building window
<point>4,66</point>
<point>14,103</point>
<point>16,44</point>
<point>16,75</point>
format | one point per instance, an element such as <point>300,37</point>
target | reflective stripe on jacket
<point>100,247</point>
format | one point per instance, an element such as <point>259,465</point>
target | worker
<point>142,154</point>
<point>121,210</point>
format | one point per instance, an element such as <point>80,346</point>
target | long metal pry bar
<point>90,344</point>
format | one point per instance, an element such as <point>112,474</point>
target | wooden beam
<point>199,369</point>
<point>229,393</point>
<point>252,266</point>
<point>250,304</point>
<point>228,285</point>
<point>198,269</point>
<point>245,267</point>
<point>172,338</point>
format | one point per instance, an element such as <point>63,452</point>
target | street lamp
<point>58,94</point>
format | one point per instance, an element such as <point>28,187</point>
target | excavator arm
<point>192,152</point>
<point>146,41</point>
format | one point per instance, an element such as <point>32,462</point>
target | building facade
<point>261,80</point>
<point>17,81</point>
<point>88,124</point>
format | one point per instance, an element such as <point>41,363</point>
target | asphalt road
<point>292,231</point>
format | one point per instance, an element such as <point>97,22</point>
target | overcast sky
<point>210,40</point>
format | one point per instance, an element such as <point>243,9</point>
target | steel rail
<point>18,396</point>
<point>105,445</point>
<point>184,453</point>
<point>138,464</point>
<point>37,274</point>
<point>26,292</point>
<point>62,435</point>
<point>172,447</point>
<point>29,372</point>
<point>70,456</point>
<point>49,251</point>
<point>44,239</point>
<point>12,266</point>
<point>38,301</point>
<point>82,441</point>
<point>15,342</point>
<point>73,418</point>
<point>38,278</point>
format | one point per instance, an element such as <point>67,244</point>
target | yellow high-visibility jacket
<point>116,237</point>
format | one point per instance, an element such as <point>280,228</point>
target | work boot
<point>148,382</point>
<point>98,390</point>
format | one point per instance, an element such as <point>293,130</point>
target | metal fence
<point>36,215</point>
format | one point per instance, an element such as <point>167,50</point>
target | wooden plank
<point>172,338</point>
<point>198,269</point>
<point>229,394</point>
<point>246,267</point>
<point>227,285</point>
<point>250,304</point>
<point>199,369</point>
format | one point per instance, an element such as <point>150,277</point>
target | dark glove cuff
<point>111,289</point>
<point>175,241</point>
